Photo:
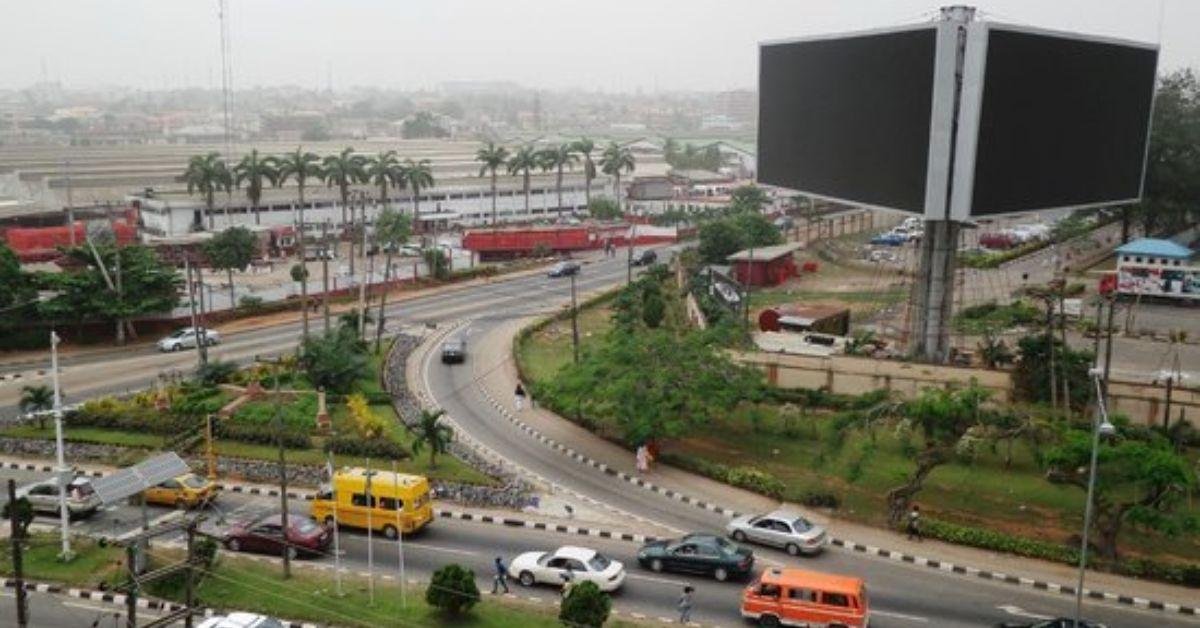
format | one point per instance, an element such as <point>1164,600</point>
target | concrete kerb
<point>838,542</point>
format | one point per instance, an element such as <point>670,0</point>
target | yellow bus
<point>391,503</point>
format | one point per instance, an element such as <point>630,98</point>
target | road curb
<point>118,599</point>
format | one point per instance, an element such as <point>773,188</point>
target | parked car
<point>1058,622</point>
<point>82,500</point>
<point>185,338</point>
<point>706,554</point>
<point>581,563</point>
<point>784,529</point>
<point>889,239</point>
<point>454,351</point>
<point>186,491</point>
<point>644,258</point>
<point>564,269</point>
<point>241,620</point>
<point>265,536</point>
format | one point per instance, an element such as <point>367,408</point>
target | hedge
<point>748,478</point>
<point>261,434</point>
<point>380,448</point>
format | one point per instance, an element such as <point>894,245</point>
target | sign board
<point>1181,283</point>
<point>130,481</point>
<point>1041,120</point>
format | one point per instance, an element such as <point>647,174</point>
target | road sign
<point>127,482</point>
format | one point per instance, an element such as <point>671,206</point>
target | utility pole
<point>201,339</point>
<point>629,256</point>
<point>283,490</point>
<point>17,535</point>
<point>301,235</point>
<point>120,289</point>
<point>70,203</point>
<point>1108,343</point>
<point>62,471</point>
<point>574,321</point>
<point>325,252</point>
<point>1062,330</point>
<point>746,291</point>
<point>363,278</point>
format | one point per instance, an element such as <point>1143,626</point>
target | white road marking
<point>439,548</point>
<point>913,618</point>
<point>1020,612</point>
<point>674,583</point>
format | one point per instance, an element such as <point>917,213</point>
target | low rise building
<point>766,266</point>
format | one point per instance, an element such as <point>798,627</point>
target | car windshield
<point>725,546</point>
<point>193,481</point>
<point>599,562</point>
<point>305,526</point>
<point>802,525</point>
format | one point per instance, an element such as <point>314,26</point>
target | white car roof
<point>582,554</point>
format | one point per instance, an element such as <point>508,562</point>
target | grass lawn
<point>91,565</point>
<point>549,348</point>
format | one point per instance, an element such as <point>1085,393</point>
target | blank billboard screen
<point>849,118</point>
<point>1063,122</point>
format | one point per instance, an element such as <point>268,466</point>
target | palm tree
<point>391,230</point>
<point>523,161</point>
<point>492,157</point>
<point>383,170</point>
<point>417,174</point>
<point>430,431</point>
<point>584,147</point>
<point>207,174</point>
<point>300,166</point>
<point>254,171</point>
<point>37,399</point>
<point>616,158</point>
<point>344,170</point>
<point>557,158</point>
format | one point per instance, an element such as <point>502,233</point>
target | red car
<point>264,535</point>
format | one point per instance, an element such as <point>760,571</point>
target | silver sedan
<point>783,529</point>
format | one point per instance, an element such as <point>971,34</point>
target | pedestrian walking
<point>914,523</point>
<point>642,457</point>
<point>519,397</point>
<point>500,581</point>
<point>685,605</point>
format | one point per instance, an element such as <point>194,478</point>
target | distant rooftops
<point>764,254</point>
<point>1153,247</point>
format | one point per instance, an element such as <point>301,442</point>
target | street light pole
<point>62,470</point>
<point>1100,425</point>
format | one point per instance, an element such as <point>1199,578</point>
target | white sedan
<point>187,337</point>
<point>581,563</point>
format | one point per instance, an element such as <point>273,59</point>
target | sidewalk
<point>498,386</point>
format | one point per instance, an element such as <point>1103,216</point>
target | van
<point>393,503</point>
<point>795,597</point>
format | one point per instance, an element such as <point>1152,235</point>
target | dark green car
<point>704,554</point>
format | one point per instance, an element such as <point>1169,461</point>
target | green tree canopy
<point>748,198</point>
<point>16,287</point>
<point>335,360</point>
<point>1173,161</point>
<point>585,605</point>
<point>604,208</point>
<point>422,125</point>
<point>452,590</point>
<point>255,172</point>
<point>229,250</point>
<point>207,175</point>
<point>432,433</point>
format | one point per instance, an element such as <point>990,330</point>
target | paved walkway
<point>501,382</point>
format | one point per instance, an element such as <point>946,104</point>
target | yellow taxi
<point>186,491</point>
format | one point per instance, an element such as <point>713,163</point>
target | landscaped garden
<point>1000,476</point>
<point>250,419</point>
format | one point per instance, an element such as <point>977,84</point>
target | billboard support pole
<point>939,246</point>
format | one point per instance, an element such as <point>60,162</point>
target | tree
<point>344,170</point>
<point>994,351</point>
<point>431,432</point>
<point>522,162</point>
<point>748,198</point>
<point>254,172</point>
<point>557,158</point>
<point>1173,159</point>
<point>37,399</point>
<point>585,605</point>
<point>208,174</point>
<point>24,515</point>
<point>231,249</point>
<point>491,157</point>
<point>147,286</point>
<point>383,170</point>
<point>391,231</point>
<point>452,590</point>
<point>17,290</point>
<point>757,230</point>
<point>603,208</point>
<point>584,146</point>
<point>718,240</point>
<point>949,420</point>
<point>335,360</point>
<point>1140,482</point>
<point>422,125</point>
<point>615,160</point>
<point>1032,378</point>
<point>300,166</point>
<point>418,175</point>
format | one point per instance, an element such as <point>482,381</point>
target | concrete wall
<point>1143,403</point>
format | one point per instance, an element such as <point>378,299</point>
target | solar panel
<point>122,484</point>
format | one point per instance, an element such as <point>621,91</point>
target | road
<point>901,594</point>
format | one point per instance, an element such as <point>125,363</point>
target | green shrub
<point>113,413</point>
<point>998,541</point>
<point>820,499</point>
<point>380,448</point>
<point>250,304</point>
<point>261,434</point>
<point>755,480</point>
<point>216,372</point>
<point>585,605</point>
<point>452,590</point>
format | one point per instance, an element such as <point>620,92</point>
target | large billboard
<point>1058,120</point>
<point>848,117</point>
<point>1041,120</point>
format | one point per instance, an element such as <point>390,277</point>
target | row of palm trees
<point>522,160</point>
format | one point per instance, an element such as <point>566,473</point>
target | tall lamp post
<point>61,471</point>
<point>1100,426</point>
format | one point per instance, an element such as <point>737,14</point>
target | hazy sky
<point>613,45</point>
